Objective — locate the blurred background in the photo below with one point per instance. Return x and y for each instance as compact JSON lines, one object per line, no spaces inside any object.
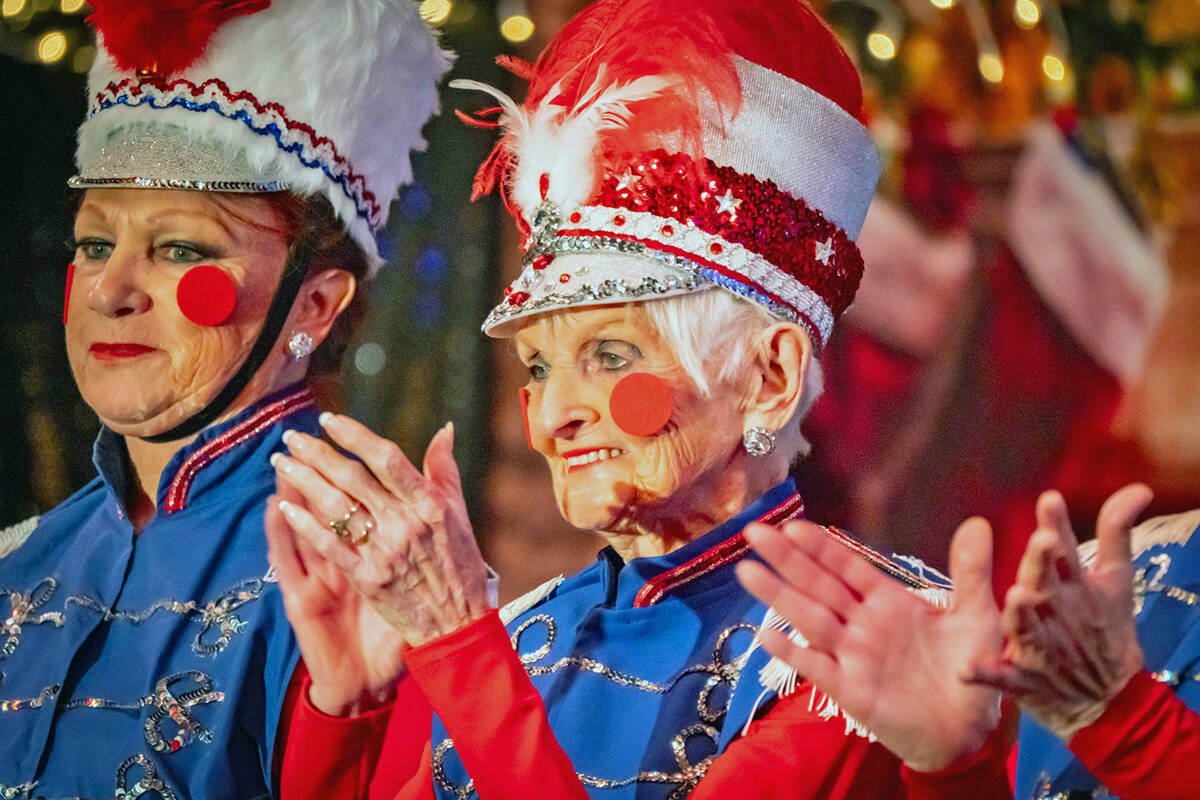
{"x":1030,"y":315}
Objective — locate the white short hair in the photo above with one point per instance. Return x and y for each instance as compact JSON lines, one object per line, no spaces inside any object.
{"x":713,"y":334}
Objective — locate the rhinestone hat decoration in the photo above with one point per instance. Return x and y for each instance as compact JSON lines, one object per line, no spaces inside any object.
{"x":257,"y":96}
{"x":621,"y":200}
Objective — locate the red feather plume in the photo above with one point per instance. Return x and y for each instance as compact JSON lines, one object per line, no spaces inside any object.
{"x":163,"y":36}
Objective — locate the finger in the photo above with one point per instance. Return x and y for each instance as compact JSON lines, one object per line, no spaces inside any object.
{"x":816,"y":622}
{"x":440,"y":468}
{"x":831,"y":549}
{"x":797,"y":568}
{"x":971,"y":566}
{"x":349,"y":477}
{"x":321,"y":498}
{"x":383,"y":458}
{"x":320,"y":538}
{"x":281,"y":547}
{"x":1036,"y":571}
{"x":1115,"y":523}
{"x":818,"y":667}
{"x":1052,"y":515}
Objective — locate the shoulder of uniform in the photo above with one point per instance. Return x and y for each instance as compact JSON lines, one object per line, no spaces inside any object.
{"x":911,"y":571}
{"x":519,"y":606}
{"x":1170,"y":529}
{"x":14,"y":536}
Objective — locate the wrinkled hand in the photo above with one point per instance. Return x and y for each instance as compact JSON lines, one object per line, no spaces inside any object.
{"x":888,"y":657}
{"x":1071,"y":641}
{"x":353,"y":656}
{"x":418,"y":563}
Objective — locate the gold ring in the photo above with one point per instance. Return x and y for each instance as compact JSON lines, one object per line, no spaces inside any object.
{"x":362,"y":536}
{"x":340,"y":525}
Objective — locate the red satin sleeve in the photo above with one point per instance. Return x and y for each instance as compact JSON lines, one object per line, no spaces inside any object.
{"x":493,"y":713}
{"x":792,"y":752}
{"x":1145,"y":745}
{"x":983,"y":776}
{"x":369,"y":756}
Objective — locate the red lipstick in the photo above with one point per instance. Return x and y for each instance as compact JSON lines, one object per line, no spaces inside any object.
{"x":114,"y":351}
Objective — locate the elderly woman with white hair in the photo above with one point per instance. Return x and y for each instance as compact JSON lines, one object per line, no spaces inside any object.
{"x":690,"y":213}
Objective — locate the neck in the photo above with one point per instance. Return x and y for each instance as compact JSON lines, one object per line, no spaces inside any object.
{"x":663,"y":526}
{"x":149,"y":459}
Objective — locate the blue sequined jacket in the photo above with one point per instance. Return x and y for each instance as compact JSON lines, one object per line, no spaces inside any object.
{"x":153,"y":664}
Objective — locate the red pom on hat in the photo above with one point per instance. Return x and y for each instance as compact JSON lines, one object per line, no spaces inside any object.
{"x":163,"y":36}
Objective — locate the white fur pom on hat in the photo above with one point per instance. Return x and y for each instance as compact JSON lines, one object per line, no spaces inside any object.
{"x":308,"y":96}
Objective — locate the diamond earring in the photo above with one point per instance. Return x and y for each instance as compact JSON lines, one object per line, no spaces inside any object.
{"x":300,"y":344}
{"x":758,"y":441}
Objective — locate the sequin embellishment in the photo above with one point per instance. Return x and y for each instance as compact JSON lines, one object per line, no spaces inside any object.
{"x":215,"y":616}
{"x":148,"y":784}
{"x":1146,"y":583}
{"x":22,"y":611}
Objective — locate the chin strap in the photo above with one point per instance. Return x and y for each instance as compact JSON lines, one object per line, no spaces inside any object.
{"x":294,"y":272}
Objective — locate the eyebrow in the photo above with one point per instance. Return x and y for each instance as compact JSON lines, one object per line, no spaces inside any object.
{"x":157,"y":217}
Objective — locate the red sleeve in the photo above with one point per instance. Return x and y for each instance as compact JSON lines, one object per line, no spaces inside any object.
{"x":984,"y":776}
{"x":493,"y":713}
{"x":1146,"y":744}
{"x":793,"y":752}
{"x":339,"y":758}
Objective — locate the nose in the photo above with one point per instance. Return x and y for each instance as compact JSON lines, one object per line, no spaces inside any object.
{"x":116,"y":291}
{"x":562,"y":408}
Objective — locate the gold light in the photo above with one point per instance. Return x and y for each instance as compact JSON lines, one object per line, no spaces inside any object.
{"x":82,"y":60}
{"x":942,"y":3}
{"x":10,"y":8}
{"x":517,"y":28}
{"x":435,"y":11}
{"x":1026,"y":13}
{"x":1054,"y":68}
{"x":72,"y":6}
{"x":991,"y":67}
{"x":51,"y":47}
{"x":881,"y":46}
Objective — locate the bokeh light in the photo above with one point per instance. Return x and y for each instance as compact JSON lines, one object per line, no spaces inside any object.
{"x":991,"y":67}
{"x":881,"y":46}
{"x":517,"y":28}
{"x":72,"y":6}
{"x":10,"y":8}
{"x":435,"y":11}
{"x":1026,"y":13}
{"x":51,"y":47}
{"x":1054,"y":68}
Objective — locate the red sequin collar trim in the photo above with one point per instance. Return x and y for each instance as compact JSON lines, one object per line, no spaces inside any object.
{"x":265,"y":417}
{"x":728,"y":551}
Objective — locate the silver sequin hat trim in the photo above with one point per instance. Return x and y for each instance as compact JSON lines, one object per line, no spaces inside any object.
{"x":161,"y":156}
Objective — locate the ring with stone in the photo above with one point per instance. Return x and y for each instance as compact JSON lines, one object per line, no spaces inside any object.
{"x":341,"y":525}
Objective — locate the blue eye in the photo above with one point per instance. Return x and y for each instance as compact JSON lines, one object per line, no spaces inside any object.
{"x":539,"y":371}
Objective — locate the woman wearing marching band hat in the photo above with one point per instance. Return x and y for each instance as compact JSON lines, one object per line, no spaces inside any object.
{"x":690,"y":176}
{"x":232,"y":180}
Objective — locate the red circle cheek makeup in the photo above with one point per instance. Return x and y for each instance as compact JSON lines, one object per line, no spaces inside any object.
{"x":641,"y":404}
{"x":206,"y":295}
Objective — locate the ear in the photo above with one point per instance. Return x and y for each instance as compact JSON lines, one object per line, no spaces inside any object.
{"x":781,"y":362}
{"x":321,"y":298}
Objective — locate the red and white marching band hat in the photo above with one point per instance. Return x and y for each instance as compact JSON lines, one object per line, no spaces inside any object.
{"x":672,"y":146}
{"x":310,"y":96}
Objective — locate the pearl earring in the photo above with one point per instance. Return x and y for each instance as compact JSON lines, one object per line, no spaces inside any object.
{"x":300,"y":344}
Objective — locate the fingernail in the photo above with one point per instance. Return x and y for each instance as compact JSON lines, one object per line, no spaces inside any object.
{"x":325,"y":418}
{"x":279,"y":463}
{"x":287,"y":508}
{"x":289,"y":437}
{"x":274,"y":459}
